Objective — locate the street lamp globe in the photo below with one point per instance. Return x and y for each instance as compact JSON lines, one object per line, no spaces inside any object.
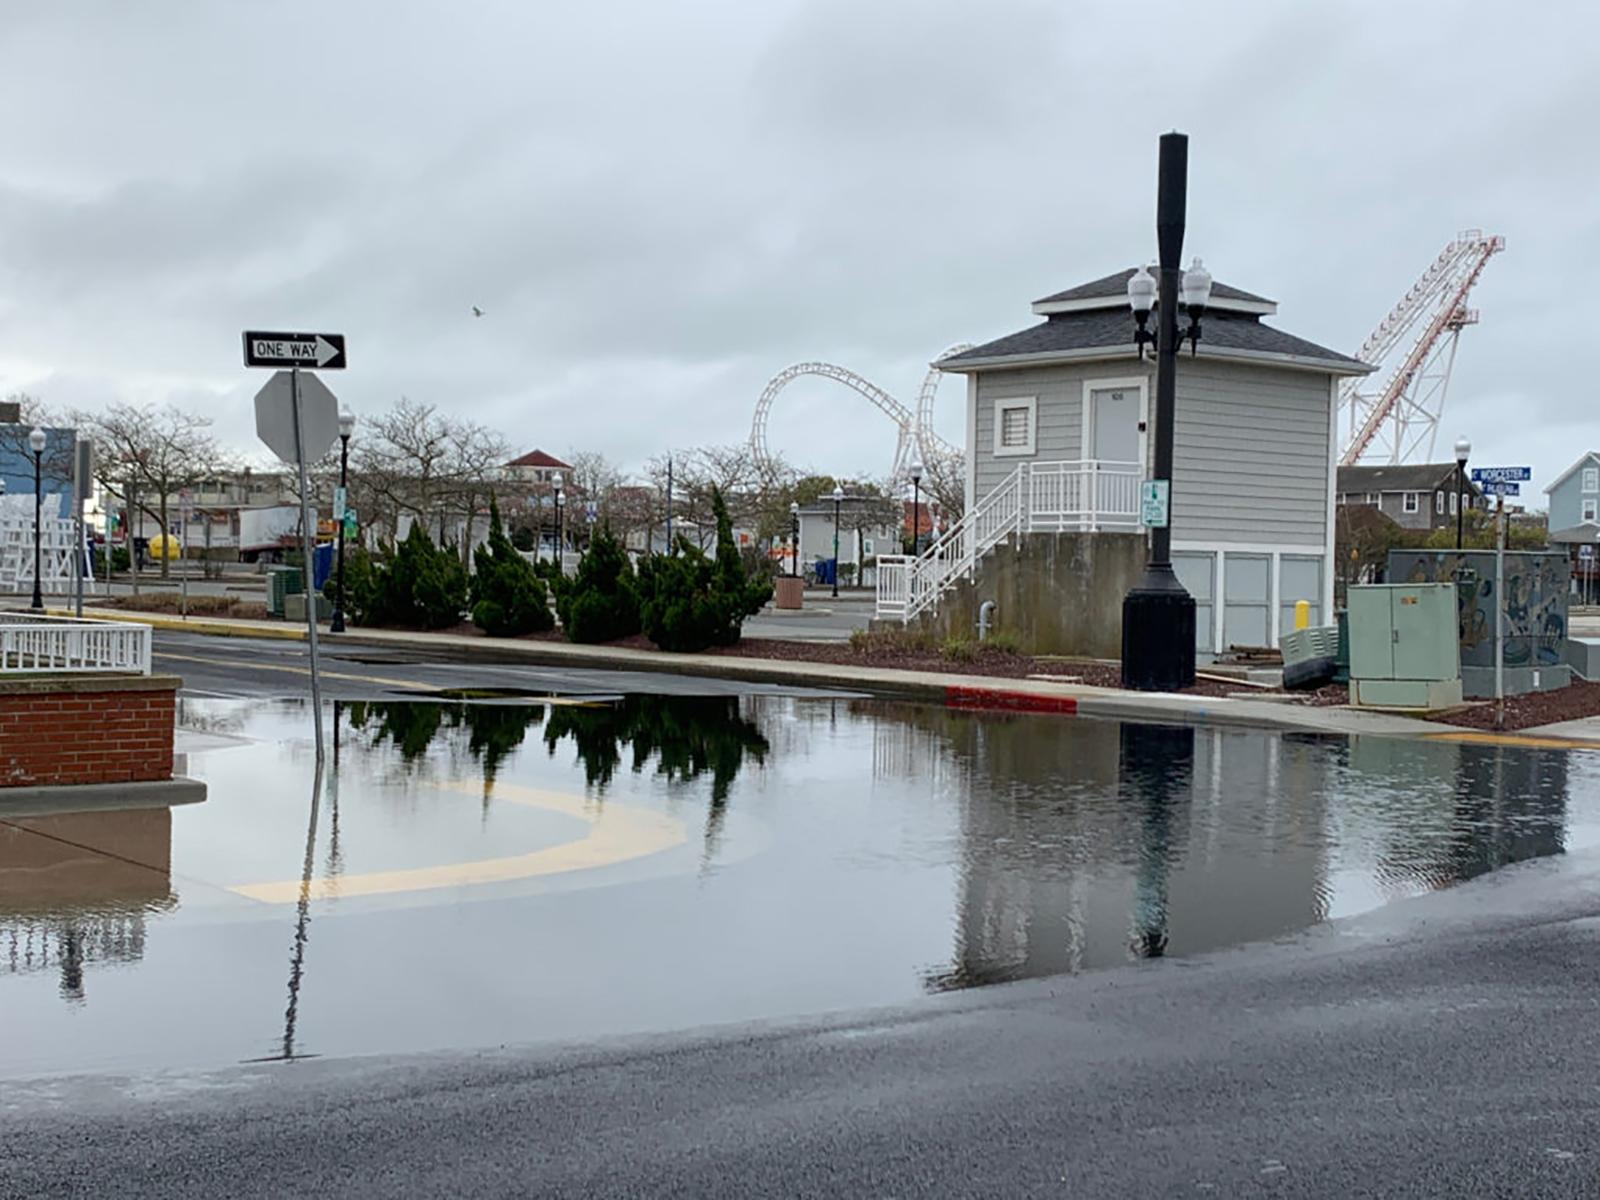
{"x":915,"y":470}
{"x":36,"y":440}
{"x":347,"y":424}
{"x":555,"y":482}
{"x":1195,"y":291}
{"x":838,"y":493}
{"x":1463,"y":449}
{"x":1142,"y":292}
{"x":794,"y":508}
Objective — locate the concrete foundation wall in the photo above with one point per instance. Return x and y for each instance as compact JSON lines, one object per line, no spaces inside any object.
{"x":1056,"y":593}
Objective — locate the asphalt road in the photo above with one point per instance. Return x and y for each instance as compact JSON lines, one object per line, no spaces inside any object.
{"x":224,"y":666}
{"x":1444,"y":1046}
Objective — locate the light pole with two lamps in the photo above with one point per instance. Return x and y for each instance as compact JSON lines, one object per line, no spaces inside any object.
{"x":36,"y":440}
{"x":838,"y":498}
{"x":1158,"y":614}
{"x":794,"y":537}
{"x":1463,"y":450}
{"x":347,"y":426}
{"x":555,"y":482}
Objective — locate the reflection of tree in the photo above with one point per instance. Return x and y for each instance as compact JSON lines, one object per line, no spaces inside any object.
{"x":493,"y":730}
{"x":688,"y":736}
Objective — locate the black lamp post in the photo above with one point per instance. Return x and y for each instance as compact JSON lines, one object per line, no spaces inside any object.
{"x":36,"y":441}
{"x":838,"y":498}
{"x":916,"y":505}
{"x":1463,"y":450}
{"x":555,"y":482}
{"x":794,"y":537}
{"x":347,"y":426}
{"x":1158,"y":614}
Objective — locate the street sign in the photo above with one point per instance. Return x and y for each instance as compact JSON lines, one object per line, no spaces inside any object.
{"x":1585,"y":551}
{"x":1502,"y":475}
{"x":339,"y":499}
{"x":349,"y":522}
{"x":275,"y":416}
{"x":1500,"y":488}
{"x":322,"y":351}
{"x":1153,"y":503}
{"x":590,"y":512}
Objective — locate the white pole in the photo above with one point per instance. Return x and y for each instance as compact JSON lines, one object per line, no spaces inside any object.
{"x":308,"y":542}
{"x":1500,"y":615}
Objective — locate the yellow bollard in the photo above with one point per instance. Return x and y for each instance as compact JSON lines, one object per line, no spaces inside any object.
{"x":1302,"y":614}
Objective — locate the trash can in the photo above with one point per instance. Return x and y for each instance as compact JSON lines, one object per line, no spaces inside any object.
{"x":789,"y":591}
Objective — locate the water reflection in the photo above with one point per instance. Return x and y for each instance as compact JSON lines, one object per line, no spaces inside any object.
{"x":76,"y":889}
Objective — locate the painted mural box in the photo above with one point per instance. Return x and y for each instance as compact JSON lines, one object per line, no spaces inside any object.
{"x":1537,"y":585}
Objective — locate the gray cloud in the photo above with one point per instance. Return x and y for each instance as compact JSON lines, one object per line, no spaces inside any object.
{"x":659,"y":206}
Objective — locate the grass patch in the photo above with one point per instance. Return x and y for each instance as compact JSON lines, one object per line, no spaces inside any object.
{"x":893,"y":641}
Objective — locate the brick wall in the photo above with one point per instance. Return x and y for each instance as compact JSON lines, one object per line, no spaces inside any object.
{"x":86,"y":730}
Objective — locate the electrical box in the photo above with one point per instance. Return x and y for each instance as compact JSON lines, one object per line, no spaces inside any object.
{"x":1405,"y":645}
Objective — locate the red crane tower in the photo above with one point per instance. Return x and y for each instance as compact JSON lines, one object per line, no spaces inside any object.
{"x":1399,"y":422}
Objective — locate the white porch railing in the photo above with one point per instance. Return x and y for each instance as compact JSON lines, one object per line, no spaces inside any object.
{"x":59,"y":645}
{"x":1087,"y":496}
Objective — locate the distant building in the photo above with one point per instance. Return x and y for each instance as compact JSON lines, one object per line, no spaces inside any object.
{"x":1422,"y":496}
{"x":1575,"y":519}
{"x":537,"y":467}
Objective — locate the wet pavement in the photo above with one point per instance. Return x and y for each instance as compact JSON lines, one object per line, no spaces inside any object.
{"x":472,"y":874}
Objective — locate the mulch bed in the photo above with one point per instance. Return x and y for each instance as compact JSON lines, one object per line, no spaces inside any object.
{"x":1577,"y":700}
{"x":172,"y":603}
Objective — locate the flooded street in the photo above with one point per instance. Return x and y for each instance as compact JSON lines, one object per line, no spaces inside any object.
{"x":473,"y":874}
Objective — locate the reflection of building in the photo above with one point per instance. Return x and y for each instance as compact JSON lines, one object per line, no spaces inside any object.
{"x":1086,"y":847}
{"x":75,"y":889}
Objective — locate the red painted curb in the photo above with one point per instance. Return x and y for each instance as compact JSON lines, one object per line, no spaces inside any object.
{"x":994,"y":698}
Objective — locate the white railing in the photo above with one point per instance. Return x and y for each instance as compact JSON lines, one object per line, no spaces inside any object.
{"x":62,"y":645}
{"x":1087,"y":496}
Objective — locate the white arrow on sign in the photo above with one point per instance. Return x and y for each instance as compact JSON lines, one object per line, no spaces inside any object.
{"x":319,"y":416}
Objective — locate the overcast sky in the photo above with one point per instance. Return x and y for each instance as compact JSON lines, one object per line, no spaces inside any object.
{"x":658,"y":206}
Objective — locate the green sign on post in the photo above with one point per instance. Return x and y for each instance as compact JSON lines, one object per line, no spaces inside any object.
{"x":349,"y":522}
{"x":1153,"y":503}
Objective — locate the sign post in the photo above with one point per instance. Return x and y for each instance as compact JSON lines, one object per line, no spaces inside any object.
{"x":183,"y":553}
{"x":82,"y":489}
{"x":299,"y":430}
{"x":1500,"y":482}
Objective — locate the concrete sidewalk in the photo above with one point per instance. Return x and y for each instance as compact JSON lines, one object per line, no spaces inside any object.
{"x":973,"y":691}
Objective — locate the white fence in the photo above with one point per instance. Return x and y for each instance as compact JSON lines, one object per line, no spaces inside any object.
{"x":61,"y":645}
{"x":1086,"y":496}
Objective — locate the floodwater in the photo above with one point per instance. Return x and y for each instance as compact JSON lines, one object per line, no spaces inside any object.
{"x":466,"y":875}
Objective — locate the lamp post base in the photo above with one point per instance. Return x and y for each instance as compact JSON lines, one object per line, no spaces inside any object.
{"x":1158,"y":633}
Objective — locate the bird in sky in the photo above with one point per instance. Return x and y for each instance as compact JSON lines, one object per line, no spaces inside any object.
{"x":476,"y":311}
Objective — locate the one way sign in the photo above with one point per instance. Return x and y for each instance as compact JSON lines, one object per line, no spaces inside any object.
{"x":323,"y":351}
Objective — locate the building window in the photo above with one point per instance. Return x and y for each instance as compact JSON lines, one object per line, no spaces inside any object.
{"x":1438,"y":503}
{"x":1452,"y":504}
{"x":1015,"y":426}
{"x":1589,"y":505}
{"x":1409,"y":504}
{"x":1372,"y":499}
{"x":1591,"y":479}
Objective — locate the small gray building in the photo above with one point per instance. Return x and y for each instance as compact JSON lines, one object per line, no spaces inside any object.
{"x":1058,"y":443}
{"x":1414,"y":496}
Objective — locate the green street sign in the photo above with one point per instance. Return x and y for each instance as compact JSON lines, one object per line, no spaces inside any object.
{"x":1153,"y":503}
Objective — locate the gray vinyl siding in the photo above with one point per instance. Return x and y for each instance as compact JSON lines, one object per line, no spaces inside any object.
{"x":1251,"y":458}
{"x":1059,"y":436}
{"x":1566,"y":499}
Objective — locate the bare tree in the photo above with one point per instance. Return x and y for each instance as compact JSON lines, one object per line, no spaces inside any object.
{"x":402,"y":464}
{"x":150,"y":454}
{"x":696,"y":473}
{"x":475,"y":465}
{"x":56,"y":465}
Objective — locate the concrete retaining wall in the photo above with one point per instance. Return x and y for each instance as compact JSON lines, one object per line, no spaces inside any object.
{"x":1056,"y":593}
{"x":74,"y":729}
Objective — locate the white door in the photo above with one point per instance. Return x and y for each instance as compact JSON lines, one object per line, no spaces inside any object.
{"x":1114,"y":418}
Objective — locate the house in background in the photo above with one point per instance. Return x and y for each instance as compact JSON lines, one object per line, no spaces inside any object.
{"x":1422,"y":496}
{"x":1058,"y":444}
{"x":537,"y":467}
{"x":1575,"y":519}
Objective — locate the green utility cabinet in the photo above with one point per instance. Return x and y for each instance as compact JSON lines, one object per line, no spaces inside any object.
{"x":1405,"y":647}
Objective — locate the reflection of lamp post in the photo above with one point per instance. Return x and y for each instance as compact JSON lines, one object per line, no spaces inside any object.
{"x":1158,"y":614}
{"x":555,"y":482}
{"x":36,"y":443}
{"x":838,"y":497}
{"x":916,"y":506}
{"x":1463,"y":450}
{"x":347,"y":426}
{"x":794,"y":537}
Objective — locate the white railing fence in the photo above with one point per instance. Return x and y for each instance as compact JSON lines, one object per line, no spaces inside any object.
{"x":1086,"y":496}
{"x":61,"y":645}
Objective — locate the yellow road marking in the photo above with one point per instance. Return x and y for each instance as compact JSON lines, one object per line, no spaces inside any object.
{"x":255,"y":666}
{"x":1529,"y":740}
{"x":617,"y":833}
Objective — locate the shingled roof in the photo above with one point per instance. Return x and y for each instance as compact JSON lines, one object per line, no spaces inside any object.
{"x":1115,"y":287}
{"x":1397,"y":477}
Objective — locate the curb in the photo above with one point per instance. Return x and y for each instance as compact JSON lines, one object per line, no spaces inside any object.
{"x":207,"y":625}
